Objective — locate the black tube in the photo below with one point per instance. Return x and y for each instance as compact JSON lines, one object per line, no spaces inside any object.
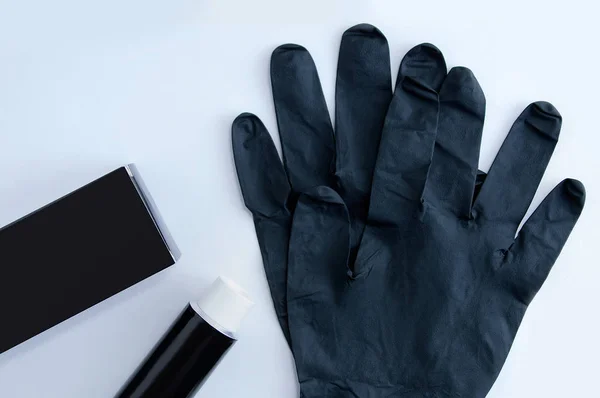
{"x":179,"y":363}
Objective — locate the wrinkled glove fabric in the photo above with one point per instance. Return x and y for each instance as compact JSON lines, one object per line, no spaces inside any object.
{"x":312,"y":154}
{"x":395,"y":271}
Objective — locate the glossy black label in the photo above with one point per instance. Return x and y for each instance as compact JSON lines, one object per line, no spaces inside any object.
{"x":180,"y":361}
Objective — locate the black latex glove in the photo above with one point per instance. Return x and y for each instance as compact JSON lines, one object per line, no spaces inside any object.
{"x":440,"y":284}
{"x":312,"y":154}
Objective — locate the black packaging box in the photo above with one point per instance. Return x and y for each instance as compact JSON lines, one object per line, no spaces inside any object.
{"x":78,"y":251}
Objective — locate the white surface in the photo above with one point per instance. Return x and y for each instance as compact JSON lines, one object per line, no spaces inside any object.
{"x":226,"y":304}
{"x":86,"y":87}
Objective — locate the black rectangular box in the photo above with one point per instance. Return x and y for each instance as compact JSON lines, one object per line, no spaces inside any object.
{"x":78,"y":251}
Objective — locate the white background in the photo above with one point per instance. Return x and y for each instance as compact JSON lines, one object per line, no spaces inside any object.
{"x":86,"y":87}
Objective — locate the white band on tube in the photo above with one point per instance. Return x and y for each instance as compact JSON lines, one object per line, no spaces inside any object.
{"x":226,"y":304}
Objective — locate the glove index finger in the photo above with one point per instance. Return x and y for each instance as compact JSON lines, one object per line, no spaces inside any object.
{"x":408,"y":136}
{"x":263,"y":181}
{"x":452,"y":177}
{"x":305,"y":127}
{"x":363,"y":95}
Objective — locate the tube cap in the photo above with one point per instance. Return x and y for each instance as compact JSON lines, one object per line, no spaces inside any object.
{"x":226,"y":304}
